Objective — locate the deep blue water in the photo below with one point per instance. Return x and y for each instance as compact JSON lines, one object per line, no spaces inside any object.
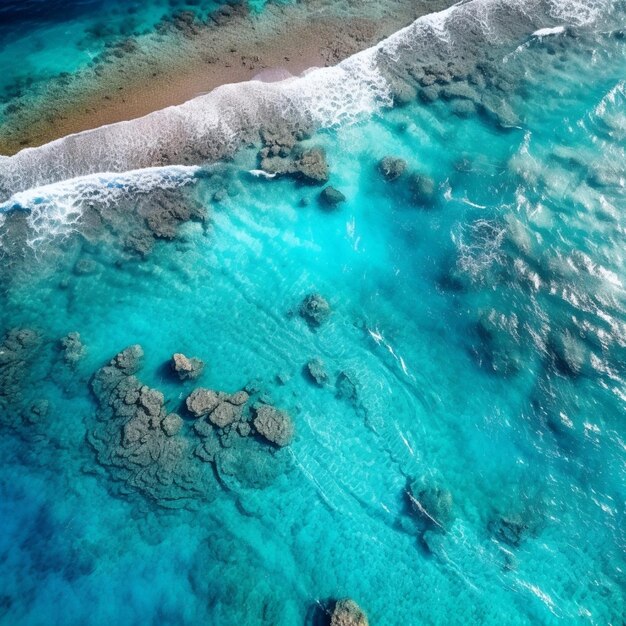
{"x":475,"y":355}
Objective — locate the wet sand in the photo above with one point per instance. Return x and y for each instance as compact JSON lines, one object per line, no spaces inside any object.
{"x":188,"y":59}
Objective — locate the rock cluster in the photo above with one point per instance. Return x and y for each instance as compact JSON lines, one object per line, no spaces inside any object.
{"x":153,"y":450}
{"x":186,"y":368}
{"x":308,"y":166}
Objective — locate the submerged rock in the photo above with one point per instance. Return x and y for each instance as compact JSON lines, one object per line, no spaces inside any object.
{"x":186,"y":368}
{"x":348,"y":613}
{"x":568,"y":353}
{"x":423,"y":191}
{"x":500,"y":348}
{"x":431,"y":503}
{"x":346,"y":387}
{"x":509,"y":530}
{"x":274,"y":425}
{"x":315,"y":309}
{"x":316,"y":371}
{"x":72,"y":347}
{"x":138,"y":441}
{"x":391,"y":168}
{"x":331,"y":197}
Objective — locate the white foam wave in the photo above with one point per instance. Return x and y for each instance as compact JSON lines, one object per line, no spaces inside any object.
{"x":546,"y":32}
{"x":55,"y":209}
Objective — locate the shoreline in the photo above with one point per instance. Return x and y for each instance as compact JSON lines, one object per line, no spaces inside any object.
{"x":244,"y":47}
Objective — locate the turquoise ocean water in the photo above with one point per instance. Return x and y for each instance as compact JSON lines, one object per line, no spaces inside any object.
{"x":475,"y":353}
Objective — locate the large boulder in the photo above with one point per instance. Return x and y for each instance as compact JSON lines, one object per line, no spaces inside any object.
{"x":311,"y":166}
{"x":315,"y":309}
{"x":274,"y":425}
{"x":348,"y":613}
{"x":186,"y":368}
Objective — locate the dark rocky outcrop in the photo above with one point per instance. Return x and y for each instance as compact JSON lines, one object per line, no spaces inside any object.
{"x":330,"y":197}
{"x":315,"y":309}
{"x":315,"y":369}
{"x":274,"y":425}
{"x":348,"y":613}
{"x":391,"y":168}
{"x":186,"y":368}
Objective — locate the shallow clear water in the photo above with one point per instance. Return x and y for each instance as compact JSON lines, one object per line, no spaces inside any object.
{"x":484,"y":331}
